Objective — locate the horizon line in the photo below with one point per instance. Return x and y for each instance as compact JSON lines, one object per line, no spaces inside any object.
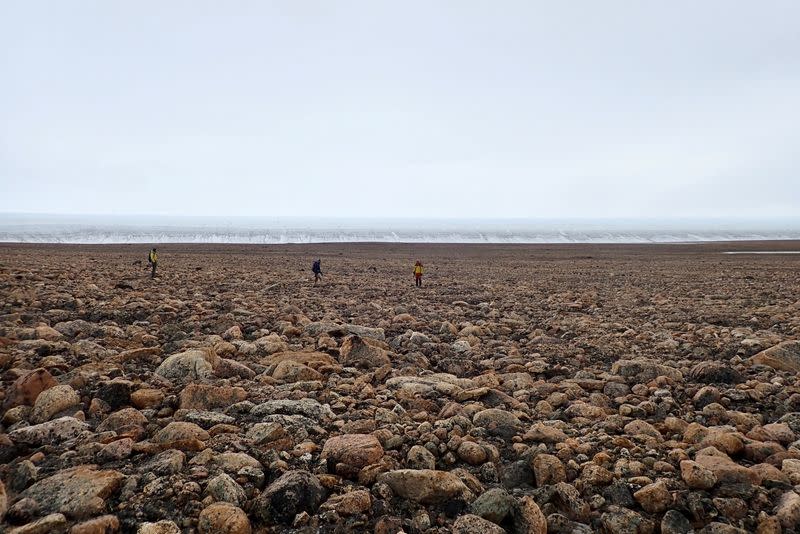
{"x":426,"y":217}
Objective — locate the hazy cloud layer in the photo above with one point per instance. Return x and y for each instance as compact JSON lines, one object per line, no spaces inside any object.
{"x":452,"y":109}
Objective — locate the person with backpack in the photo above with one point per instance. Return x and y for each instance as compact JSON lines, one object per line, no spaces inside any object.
{"x":153,"y":259}
{"x":418,"y":273}
{"x":317,"y":270}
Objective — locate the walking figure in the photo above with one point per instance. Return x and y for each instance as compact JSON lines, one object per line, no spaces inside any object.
{"x":418,"y":273}
{"x":317,"y":270}
{"x":153,"y":259}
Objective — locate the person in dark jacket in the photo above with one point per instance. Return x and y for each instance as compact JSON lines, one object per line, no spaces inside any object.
{"x":317,"y":270}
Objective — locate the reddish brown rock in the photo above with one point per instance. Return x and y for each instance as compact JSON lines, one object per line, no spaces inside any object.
{"x":26,"y":389}
{"x":352,"y":450}
{"x":223,"y":518}
{"x":106,"y":524}
{"x":207,"y":397}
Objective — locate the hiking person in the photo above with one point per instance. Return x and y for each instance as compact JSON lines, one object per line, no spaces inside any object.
{"x":418,"y":273}
{"x":153,"y":259}
{"x":317,"y":270}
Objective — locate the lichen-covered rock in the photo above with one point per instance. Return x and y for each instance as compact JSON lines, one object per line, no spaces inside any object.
{"x":783,"y":356}
{"x":54,"y":431}
{"x":53,"y":401}
{"x":473,"y":524}
{"x":363,"y":352}
{"x":77,"y":492}
{"x":425,"y":486}
{"x":195,"y":364}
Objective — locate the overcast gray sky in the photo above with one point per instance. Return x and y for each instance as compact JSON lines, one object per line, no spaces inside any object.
{"x":372,"y":108}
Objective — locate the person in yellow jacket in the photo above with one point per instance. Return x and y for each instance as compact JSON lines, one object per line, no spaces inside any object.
{"x":418,"y":273}
{"x":153,"y":259}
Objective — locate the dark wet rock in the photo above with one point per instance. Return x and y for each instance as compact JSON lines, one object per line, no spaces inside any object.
{"x":620,"y":494}
{"x":294,"y":492}
{"x":517,"y":474}
{"x":715,"y":373}
{"x":675,"y":522}
{"x":639,"y":371}
{"x":116,"y":393}
{"x":498,"y":422}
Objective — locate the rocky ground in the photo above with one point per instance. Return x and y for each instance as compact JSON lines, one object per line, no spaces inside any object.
{"x":528,"y":389}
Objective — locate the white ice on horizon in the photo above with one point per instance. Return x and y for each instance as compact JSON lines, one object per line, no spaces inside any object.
{"x":30,"y":228}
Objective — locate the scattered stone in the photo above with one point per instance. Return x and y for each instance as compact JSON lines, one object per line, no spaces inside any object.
{"x":223,"y":518}
{"x":696,"y":476}
{"x":472,"y":524}
{"x":27,"y":388}
{"x":528,"y":517}
{"x":654,"y":498}
{"x":788,"y":511}
{"x":195,"y":364}
{"x":54,"y":431}
{"x":783,"y":357}
{"x":222,"y":488}
{"x":161,"y":527}
{"x":352,"y":451}
{"x":106,"y":524}
{"x":548,"y":469}
{"x":207,"y":397}
{"x":632,"y":402}
{"x":498,"y":422}
{"x":294,"y":492}
{"x":364,"y":352}
{"x":494,"y":504}
{"x":351,"y":503}
{"x":49,"y":524}
{"x":425,"y":486}
{"x":77,"y":492}
{"x":420,"y":458}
